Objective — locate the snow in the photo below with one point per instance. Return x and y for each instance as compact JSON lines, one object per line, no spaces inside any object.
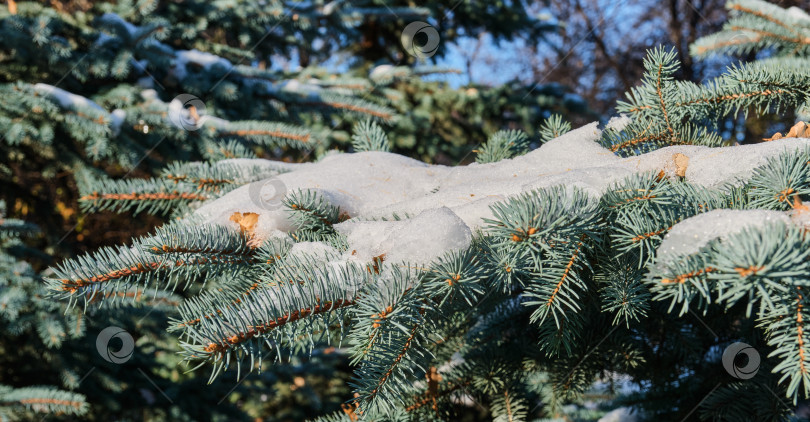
{"x":149,"y":94}
{"x":102,"y":39}
{"x":208,"y":62}
{"x":717,"y":167}
{"x":799,"y":15}
{"x":445,"y":205}
{"x":116,"y":120}
{"x":205,"y":60}
{"x":181,"y":116}
{"x":714,"y":167}
{"x":330,"y":8}
{"x":381,"y":71}
{"x":420,"y":239}
{"x":317,"y":251}
{"x":618,"y":123}
{"x":247,"y":163}
{"x":295,"y":86}
{"x":800,"y":215}
{"x":326,"y":260}
{"x":66,"y":99}
{"x":621,"y":414}
{"x":113,"y":19}
{"x":385,"y":73}
{"x":688,"y":236}
{"x":182,"y":58}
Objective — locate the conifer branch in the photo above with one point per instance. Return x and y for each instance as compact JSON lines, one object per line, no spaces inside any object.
{"x":170,"y":255}
{"x":44,"y":400}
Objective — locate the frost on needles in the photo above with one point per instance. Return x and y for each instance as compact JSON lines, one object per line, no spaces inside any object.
{"x":516,"y":279}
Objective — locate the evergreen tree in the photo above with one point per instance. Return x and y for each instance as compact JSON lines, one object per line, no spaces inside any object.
{"x":644,"y":249}
{"x":123,"y":88}
{"x":105,"y":89}
{"x":30,"y":323}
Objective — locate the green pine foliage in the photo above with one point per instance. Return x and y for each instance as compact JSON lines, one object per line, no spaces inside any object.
{"x":531,"y":298}
{"x":554,"y":127}
{"x":444,"y":125}
{"x":24,"y":312}
{"x":668,"y":112}
{"x":558,"y":290}
{"x":180,"y":185}
{"x":503,"y":144}
{"x":368,"y":136}
{"x":43,"y":400}
{"x":754,"y":26}
{"x":121,"y":88}
{"x":775,"y":36}
{"x":147,"y":108}
{"x":552,"y":272}
{"x":51,"y":367}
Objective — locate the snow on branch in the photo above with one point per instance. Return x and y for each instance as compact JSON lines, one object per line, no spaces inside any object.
{"x":375,"y":185}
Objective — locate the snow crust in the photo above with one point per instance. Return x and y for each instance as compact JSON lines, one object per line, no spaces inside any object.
{"x":420,"y":239}
{"x":688,"y":236}
{"x":205,"y":60}
{"x":117,"y":118}
{"x":381,"y":71}
{"x":66,"y":99}
{"x":445,"y":205}
{"x":184,"y":63}
{"x":113,"y":19}
{"x":798,"y":14}
{"x":621,"y":414}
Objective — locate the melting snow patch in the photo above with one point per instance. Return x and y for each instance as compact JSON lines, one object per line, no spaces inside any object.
{"x":688,"y":236}
{"x":66,"y":99}
{"x":446,"y":204}
{"x":199,"y":58}
{"x":418,"y":240}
